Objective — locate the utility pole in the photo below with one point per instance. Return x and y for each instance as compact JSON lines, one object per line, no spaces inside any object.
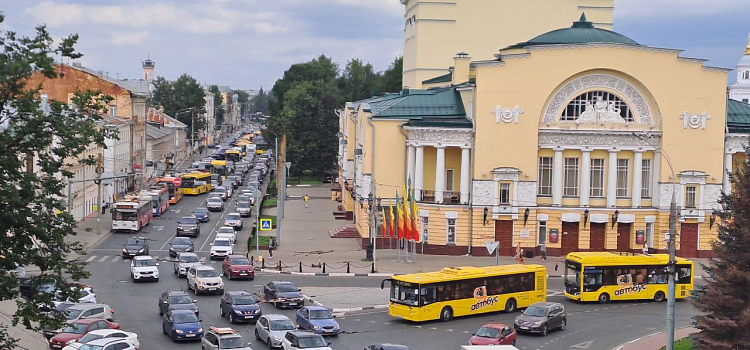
{"x":671,"y":267}
{"x":192,"y":130}
{"x":98,"y":182}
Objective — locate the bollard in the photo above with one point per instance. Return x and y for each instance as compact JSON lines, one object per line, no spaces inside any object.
{"x":300,"y":266}
{"x":372,"y":270}
{"x":279,"y":265}
{"x":324,"y":267}
{"x":263,"y":264}
{"x":347,"y":267}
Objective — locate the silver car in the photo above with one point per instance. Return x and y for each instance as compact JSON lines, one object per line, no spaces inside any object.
{"x":233,"y":220}
{"x":221,"y":190}
{"x":88,"y":310}
{"x":184,"y":262}
{"x":215,"y":204}
{"x":272,"y":328}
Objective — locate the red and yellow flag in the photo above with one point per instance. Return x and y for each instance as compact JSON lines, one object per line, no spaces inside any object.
{"x":400,"y":213}
{"x":407,"y":220}
{"x":383,"y":228}
{"x":392,"y":225}
{"x":415,"y":227}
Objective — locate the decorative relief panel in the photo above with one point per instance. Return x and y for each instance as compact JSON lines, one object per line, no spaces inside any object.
{"x":628,"y":92}
{"x":482,"y":192}
{"x":505,"y":174}
{"x":711,"y":196}
{"x":665,"y":194}
{"x":507,"y":115}
{"x":735,"y":143}
{"x":440,"y":136}
{"x":526,"y":193}
{"x":694,"y":121}
{"x":560,"y":138}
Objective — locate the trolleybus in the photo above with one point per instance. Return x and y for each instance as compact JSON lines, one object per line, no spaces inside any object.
{"x":159,"y":196}
{"x":131,"y":214}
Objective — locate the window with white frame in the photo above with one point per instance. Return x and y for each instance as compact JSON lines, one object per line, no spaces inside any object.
{"x":690,"y":192}
{"x":113,"y":111}
{"x":449,"y":173}
{"x":451,"y":232}
{"x":650,"y":234}
{"x":504,"y":193}
{"x":597,"y":178}
{"x":646,"y":178}
{"x":542,"y":232}
{"x":595,"y":100}
{"x":425,"y":225}
{"x":545,"y":176}
{"x":622,"y":177}
{"x":570,"y":187}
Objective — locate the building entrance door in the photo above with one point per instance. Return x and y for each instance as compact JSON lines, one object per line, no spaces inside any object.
{"x":504,"y":235}
{"x":623,"y":237}
{"x":569,"y":241}
{"x":598,"y":234}
{"x":688,"y":240}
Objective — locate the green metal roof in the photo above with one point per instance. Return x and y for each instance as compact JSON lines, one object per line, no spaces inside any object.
{"x":580,"y":32}
{"x":438,"y":107}
{"x":738,"y":116}
{"x":441,"y":123}
{"x":445,"y":78}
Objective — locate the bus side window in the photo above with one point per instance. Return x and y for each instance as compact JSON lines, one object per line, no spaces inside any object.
{"x":446,"y":291}
{"x":683,"y":274}
{"x":428,"y":295}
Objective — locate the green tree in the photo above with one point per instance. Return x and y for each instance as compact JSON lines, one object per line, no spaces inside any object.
{"x":35,"y":227}
{"x":358,"y":81}
{"x":178,"y":95}
{"x":320,"y":68}
{"x":260,"y":102}
{"x":725,"y":298}
{"x":391,"y":78}
{"x":218,"y":106}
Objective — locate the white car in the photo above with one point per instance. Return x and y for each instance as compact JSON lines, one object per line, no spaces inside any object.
{"x":184,"y":262}
{"x":109,"y":344}
{"x":304,"y":340}
{"x":220,"y":248}
{"x":144,"y":267}
{"x":233,"y":220}
{"x":215,"y":204}
{"x":227,"y":232}
{"x":204,"y":278}
{"x":272,"y":328}
{"x":104,"y":333}
{"x":85,"y":295}
{"x":221,"y":190}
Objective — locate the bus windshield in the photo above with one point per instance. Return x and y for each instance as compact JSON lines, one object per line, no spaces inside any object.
{"x":188,"y":183}
{"x":405,"y":293}
{"x":124,"y":215}
{"x":572,"y":276}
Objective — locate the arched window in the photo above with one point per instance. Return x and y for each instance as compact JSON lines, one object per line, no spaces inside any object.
{"x":597,"y":106}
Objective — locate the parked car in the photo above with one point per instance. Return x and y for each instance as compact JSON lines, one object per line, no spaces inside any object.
{"x":77,"y":329}
{"x":180,"y":245}
{"x":272,"y":328}
{"x":176,"y":300}
{"x":387,"y":347}
{"x":317,"y":319}
{"x":304,"y":340}
{"x":144,"y":267}
{"x":237,"y":266}
{"x":104,"y":334}
{"x":110,"y":344}
{"x":203,"y":278}
{"x":89,"y":310}
{"x":84,"y":293}
{"x":541,"y":317}
{"x":283,"y":294}
{"x":234,"y":220}
{"x":184,"y":262}
{"x":215,"y":204}
{"x":182,"y":325}
{"x":202,"y":214}
{"x":494,"y":334}
{"x":240,"y":306}
{"x":220,"y":248}
{"x":135,"y":246}
{"x":227,"y":232}
{"x":217,"y":338}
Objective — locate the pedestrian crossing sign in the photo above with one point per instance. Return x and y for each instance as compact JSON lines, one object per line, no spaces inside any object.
{"x":265,"y":224}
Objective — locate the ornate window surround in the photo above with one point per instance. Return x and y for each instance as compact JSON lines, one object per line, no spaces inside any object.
{"x":443,"y":137}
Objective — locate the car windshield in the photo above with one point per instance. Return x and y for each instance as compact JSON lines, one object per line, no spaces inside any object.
{"x":201,"y":211}
{"x":184,"y":318}
{"x":488,"y":332}
{"x":189,"y":258}
{"x":89,"y":337}
{"x":188,"y":221}
{"x":91,"y":347}
{"x":122,"y":215}
{"x":245,"y":300}
{"x":144,"y":262}
{"x":286,"y":288}
{"x":221,"y":190}
{"x":180,"y":299}
{"x":75,"y":328}
{"x":226,"y":230}
{"x":535,"y":311}
{"x":231,"y":343}
{"x":320,"y":315}
{"x":233,"y":217}
{"x":214,"y":200}
{"x":312,"y":342}
{"x":243,"y":205}
{"x":282,"y":325}
{"x":240,"y":261}
{"x":222,"y":243}
{"x":73,"y":314}
{"x":207,"y":273}
{"x":134,"y":242}
{"x":181,"y":241}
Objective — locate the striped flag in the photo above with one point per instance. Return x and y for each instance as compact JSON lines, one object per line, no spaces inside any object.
{"x":415,"y":227}
{"x":407,"y":220}
{"x":400,"y":217}
{"x":392,"y":225}
{"x":383,"y":226}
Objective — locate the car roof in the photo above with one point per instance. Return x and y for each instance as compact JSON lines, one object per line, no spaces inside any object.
{"x":88,"y":320}
{"x":276,"y":317}
{"x":545,"y":304}
{"x":188,"y":217}
{"x":239,"y":292}
{"x":495,"y":325}
{"x":200,"y":208}
{"x":143,"y":257}
{"x":83,"y":306}
{"x":316,"y":307}
{"x":304,"y":334}
{"x":235,"y":213}
{"x":188,"y":253}
{"x":174,"y":312}
{"x":176,"y":292}
{"x":236,"y":256}
{"x":282,"y":282}
{"x":203,"y":267}
{"x":227,"y":228}
{"x":105,"y":341}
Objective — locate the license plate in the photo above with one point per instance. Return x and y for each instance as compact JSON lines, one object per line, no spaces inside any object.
{"x":190,"y":335}
{"x":211,"y":288}
{"x":243,"y":273}
{"x":57,"y":346}
{"x":292,"y":304}
{"x":524,"y":327}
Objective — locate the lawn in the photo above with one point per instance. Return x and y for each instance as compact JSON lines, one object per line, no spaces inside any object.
{"x":270,"y":202}
{"x":682,"y":344}
{"x":272,"y":217}
{"x":263,"y":242}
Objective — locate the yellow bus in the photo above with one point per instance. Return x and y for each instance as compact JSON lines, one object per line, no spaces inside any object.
{"x":461,"y":291}
{"x":233,"y":155}
{"x":219,"y":167}
{"x":196,"y":183}
{"x":175,"y":194}
{"x":607,"y":276}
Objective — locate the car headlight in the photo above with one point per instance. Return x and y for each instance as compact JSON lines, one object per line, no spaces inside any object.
{"x":276,"y":339}
{"x":537,"y":323}
{"x":200,"y":330}
{"x":238,"y":312}
{"x":141,"y":250}
{"x":257,"y":311}
{"x":196,"y":310}
{"x":124,"y":250}
{"x":179,"y":331}
{"x":235,"y":270}
{"x":317,"y":328}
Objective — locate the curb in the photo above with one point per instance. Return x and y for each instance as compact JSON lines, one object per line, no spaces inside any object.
{"x":341,"y":311}
{"x":332,"y":274}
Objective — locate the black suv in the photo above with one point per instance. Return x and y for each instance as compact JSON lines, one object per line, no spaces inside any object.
{"x":283,"y":294}
{"x":135,"y":246}
{"x":176,"y":300}
{"x":188,"y":226}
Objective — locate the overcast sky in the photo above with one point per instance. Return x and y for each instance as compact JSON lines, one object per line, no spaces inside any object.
{"x":249,"y":43}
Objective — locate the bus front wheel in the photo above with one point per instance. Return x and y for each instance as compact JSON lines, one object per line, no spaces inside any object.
{"x":604,"y":298}
{"x":446,"y":314}
{"x":659,"y":297}
{"x":510,"y":305}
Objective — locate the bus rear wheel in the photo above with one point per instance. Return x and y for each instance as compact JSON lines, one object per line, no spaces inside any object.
{"x":604,"y":298}
{"x":659,"y":297}
{"x":510,"y":305}
{"x":446,"y":314}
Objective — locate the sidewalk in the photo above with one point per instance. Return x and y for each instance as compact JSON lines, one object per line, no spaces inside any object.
{"x":656,"y":341}
{"x":27,"y":339}
{"x":305,"y":238}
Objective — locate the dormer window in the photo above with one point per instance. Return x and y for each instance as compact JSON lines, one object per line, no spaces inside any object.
{"x":746,"y":75}
{"x":597,"y":107}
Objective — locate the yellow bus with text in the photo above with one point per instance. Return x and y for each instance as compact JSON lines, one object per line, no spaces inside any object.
{"x":461,"y":291}
{"x":195,"y":183}
{"x":607,"y":276}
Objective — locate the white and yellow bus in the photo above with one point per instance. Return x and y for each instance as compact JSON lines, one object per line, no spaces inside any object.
{"x":461,"y":291}
{"x":606,"y":276}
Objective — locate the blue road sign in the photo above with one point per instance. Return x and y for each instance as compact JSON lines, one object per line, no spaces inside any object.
{"x":265,"y":224}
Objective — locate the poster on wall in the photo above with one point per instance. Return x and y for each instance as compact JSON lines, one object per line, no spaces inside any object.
{"x":640,"y":236}
{"x":525,"y":233}
{"x":554,"y":235}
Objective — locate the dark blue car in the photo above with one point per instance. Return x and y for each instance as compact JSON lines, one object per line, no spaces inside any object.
{"x":182,"y":325}
{"x":240,"y":306}
{"x":318,"y":320}
{"x":201,"y":214}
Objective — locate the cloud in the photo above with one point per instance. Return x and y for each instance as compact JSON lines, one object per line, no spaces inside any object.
{"x":633,"y":9}
{"x":129,"y":38}
{"x":388,"y":5}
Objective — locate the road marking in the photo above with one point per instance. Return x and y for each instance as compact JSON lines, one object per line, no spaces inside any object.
{"x":433,"y":328}
{"x":116,"y":258}
{"x":159,"y":228}
{"x":584,"y":345}
{"x":417,"y":326}
{"x":177,"y":211}
{"x":168,"y":240}
{"x":203,"y":259}
{"x":103,"y":258}
{"x":90,"y":259}
{"x":386,"y":323}
{"x":449,"y":330}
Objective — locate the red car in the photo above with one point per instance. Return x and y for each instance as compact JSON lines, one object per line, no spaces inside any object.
{"x":494,"y":334}
{"x":77,"y":329}
{"x":237,"y":266}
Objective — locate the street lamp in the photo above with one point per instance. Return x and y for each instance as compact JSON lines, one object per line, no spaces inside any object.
{"x":370,"y":243}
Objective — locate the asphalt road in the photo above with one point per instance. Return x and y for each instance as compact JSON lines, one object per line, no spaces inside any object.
{"x":590,"y":326}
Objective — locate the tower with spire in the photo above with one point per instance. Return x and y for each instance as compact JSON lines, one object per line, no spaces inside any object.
{"x":740,"y":90}
{"x":148,"y":69}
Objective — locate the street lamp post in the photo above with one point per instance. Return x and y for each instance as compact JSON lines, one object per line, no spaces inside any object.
{"x":370,"y":244}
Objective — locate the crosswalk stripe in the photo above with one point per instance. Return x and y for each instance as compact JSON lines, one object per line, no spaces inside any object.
{"x":116,"y":258}
{"x":103,"y":258}
{"x":203,"y":259}
{"x":156,"y":258}
{"x":91,"y":258}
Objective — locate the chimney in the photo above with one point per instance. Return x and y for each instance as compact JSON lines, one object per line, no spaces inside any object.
{"x":461,"y":67}
{"x":148,"y":69}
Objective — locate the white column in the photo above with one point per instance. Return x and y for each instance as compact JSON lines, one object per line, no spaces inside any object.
{"x":612,"y":180}
{"x":419,"y":172}
{"x":655,"y":187}
{"x":410,"y":156}
{"x":440,"y":174}
{"x":465,"y":176}
{"x":637,"y":178}
{"x":726,"y":185}
{"x":585,"y":177}
{"x":557,"y":177}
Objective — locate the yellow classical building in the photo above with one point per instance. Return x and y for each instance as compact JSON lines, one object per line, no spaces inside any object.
{"x":577,"y":139}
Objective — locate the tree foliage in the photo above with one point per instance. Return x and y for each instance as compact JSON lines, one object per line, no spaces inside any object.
{"x":391,"y":79}
{"x":178,"y":95}
{"x":34,"y":225}
{"x":218,"y":106}
{"x":725,"y":299}
{"x":260,"y":102}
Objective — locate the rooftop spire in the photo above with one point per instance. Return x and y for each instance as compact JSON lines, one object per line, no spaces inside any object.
{"x":583,"y":22}
{"x":747,"y":49}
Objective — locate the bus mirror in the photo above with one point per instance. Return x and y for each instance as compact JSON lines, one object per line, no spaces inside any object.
{"x":382,"y":283}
